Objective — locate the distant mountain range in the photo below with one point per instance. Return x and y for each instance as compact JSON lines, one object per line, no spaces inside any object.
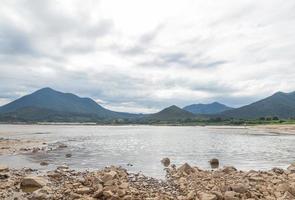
{"x":50,"y":105}
{"x":280,"y":104}
{"x":212,"y":108}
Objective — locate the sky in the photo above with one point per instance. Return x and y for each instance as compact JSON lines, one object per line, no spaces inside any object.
{"x":143,"y":55}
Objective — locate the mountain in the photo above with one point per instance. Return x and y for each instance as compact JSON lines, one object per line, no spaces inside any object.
{"x":280,"y":104}
{"x":171,"y":113}
{"x":211,"y":108}
{"x":48,"y":102}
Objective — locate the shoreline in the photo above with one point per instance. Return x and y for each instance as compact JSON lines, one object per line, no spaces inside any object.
{"x":182,"y":183}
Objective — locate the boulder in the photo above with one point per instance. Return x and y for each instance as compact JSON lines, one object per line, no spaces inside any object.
{"x":186,"y":168}
{"x":33,"y":181}
{"x":231,"y":195}
{"x":214,"y":163}
{"x":207,"y":196}
{"x":239,"y":188}
{"x":165,"y":162}
{"x":3,"y":168}
{"x":109,"y":176}
{"x":43,"y":163}
{"x":291,"y":168}
{"x":229,"y":169}
{"x":83,"y":190}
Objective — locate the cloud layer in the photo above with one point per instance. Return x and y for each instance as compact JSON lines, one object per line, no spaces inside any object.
{"x":140,"y":56}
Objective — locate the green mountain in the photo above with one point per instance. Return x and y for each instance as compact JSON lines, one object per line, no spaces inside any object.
{"x":212,"y":108}
{"x":171,"y":113}
{"x":50,"y":104}
{"x":280,"y":104}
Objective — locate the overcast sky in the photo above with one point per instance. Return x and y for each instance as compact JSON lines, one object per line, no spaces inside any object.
{"x":144,"y":55}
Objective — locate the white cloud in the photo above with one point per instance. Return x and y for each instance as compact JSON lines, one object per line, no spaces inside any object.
{"x":140,"y":56}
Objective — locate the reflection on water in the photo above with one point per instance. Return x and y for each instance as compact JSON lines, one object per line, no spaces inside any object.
{"x":140,"y":148}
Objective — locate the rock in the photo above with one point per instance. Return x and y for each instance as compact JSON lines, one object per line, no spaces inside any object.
{"x":239,"y":188}
{"x":186,"y":168}
{"x":214,"y":163}
{"x":61,"y":146}
{"x":43,"y":163}
{"x":83,"y":190}
{"x":63,"y":167}
{"x":207,"y":196}
{"x":3,"y":176}
{"x":278,"y":170}
{"x":98,"y":193}
{"x":230,"y":195}
{"x":68,"y":155}
{"x":291,"y":168}
{"x":4,"y":168}
{"x":33,"y":181}
{"x":109,"y":176}
{"x":287,"y":196}
{"x":229,"y":169}
{"x":165,"y":162}
{"x":191,"y":195}
{"x":124,"y":185}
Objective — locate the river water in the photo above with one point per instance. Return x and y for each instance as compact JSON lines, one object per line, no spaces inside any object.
{"x":94,"y":147}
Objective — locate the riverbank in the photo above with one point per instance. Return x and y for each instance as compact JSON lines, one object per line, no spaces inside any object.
{"x":182,"y":183}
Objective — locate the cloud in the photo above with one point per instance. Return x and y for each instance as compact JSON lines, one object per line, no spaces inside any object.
{"x":143,"y":56}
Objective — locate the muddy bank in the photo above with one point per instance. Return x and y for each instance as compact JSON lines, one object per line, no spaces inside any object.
{"x":183,"y":183}
{"x":277,"y":129}
{"x":14,"y":146}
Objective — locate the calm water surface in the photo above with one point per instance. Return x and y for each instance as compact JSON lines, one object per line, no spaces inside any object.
{"x":93,"y":147}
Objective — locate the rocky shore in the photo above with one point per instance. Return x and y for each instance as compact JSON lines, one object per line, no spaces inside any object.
{"x":115,"y":183}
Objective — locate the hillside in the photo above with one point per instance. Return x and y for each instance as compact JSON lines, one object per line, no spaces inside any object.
{"x":212,"y":108}
{"x":171,"y":113}
{"x":48,"y":102}
{"x":280,"y":104}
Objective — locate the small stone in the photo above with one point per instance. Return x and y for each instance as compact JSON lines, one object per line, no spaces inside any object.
{"x":68,"y":155}
{"x":63,"y":167}
{"x":61,"y":146}
{"x":43,"y":163}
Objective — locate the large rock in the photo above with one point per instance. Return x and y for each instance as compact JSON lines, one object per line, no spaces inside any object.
{"x":3,"y":168}
{"x":231,"y":195}
{"x":165,"y":162}
{"x":214,"y":163}
{"x":207,"y":196}
{"x":229,"y":169}
{"x":33,"y":181}
{"x":186,"y":168}
{"x":239,"y":188}
{"x":109,"y":176}
{"x":291,"y":168}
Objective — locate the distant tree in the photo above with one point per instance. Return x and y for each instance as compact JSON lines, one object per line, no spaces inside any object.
{"x":262,"y":118}
{"x":275,"y":118}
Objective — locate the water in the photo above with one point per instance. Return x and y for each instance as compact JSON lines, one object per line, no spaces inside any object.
{"x":94,"y":147}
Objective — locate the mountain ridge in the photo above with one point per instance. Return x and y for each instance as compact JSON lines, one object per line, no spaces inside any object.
{"x":211,"y":108}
